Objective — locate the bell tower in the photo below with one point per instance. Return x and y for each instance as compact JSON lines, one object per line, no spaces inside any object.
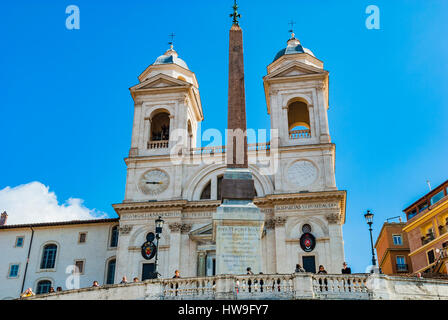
{"x":167,"y":112}
{"x":296,"y":90}
{"x":167,"y":98}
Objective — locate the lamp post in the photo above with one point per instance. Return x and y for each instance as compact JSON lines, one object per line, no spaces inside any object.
{"x":159,"y":227}
{"x":369,"y":219}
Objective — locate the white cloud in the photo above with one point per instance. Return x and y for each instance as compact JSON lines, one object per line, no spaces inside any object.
{"x":33,"y":203}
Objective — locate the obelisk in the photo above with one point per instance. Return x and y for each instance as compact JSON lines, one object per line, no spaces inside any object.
{"x":237,"y":222}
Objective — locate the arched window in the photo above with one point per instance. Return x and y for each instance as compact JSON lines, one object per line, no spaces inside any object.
{"x":298,"y":120}
{"x":110,"y":276}
{"x":49,"y":256}
{"x":43,"y":286}
{"x":206,"y":192}
{"x":114,"y":237}
{"x":219,"y":187}
{"x":160,"y":127}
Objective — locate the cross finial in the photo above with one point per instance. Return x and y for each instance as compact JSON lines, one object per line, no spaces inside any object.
{"x":235,"y":15}
{"x":292,"y":23}
{"x":171,"y":43}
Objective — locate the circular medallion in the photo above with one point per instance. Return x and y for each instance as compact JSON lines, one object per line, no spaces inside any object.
{"x":150,"y":237}
{"x":149,"y":250}
{"x":306,"y":228}
{"x":154,"y":182}
{"x":307,"y":242}
{"x":302,"y":173}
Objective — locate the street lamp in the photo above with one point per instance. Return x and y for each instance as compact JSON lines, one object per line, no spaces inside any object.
{"x":369,"y":219}
{"x":159,"y":226}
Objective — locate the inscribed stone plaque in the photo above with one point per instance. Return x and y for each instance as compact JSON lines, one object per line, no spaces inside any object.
{"x":238,"y":247}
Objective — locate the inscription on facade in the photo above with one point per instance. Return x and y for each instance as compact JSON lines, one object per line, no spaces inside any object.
{"x":308,"y":206}
{"x":149,"y":215}
{"x":155,"y":215}
{"x":238,"y":248}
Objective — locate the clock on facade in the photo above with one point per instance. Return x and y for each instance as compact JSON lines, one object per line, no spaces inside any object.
{"x":154,"y":182}
{"x":302,"y":173}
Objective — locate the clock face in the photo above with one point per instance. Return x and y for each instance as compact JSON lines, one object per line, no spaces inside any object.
{"x":154,"y":182}
{"x":302,"y":173}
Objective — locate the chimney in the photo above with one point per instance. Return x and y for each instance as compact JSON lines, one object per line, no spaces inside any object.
{"x":3,"y":218}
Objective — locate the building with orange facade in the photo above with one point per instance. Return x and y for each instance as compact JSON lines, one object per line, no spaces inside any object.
{"x":392,"y":247}
{"x":426,"y":228}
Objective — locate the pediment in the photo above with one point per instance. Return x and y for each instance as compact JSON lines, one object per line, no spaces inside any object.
{"x":206,"y":230}
{"x":295,"y":69}
{"x":161,"y":81}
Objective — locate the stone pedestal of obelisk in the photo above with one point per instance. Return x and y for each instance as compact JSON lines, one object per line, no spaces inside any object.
{"x":237,"y":222}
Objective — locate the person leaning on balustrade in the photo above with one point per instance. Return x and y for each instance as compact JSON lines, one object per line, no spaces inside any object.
{"x":28,"y":293}
{"x":299,"y":268}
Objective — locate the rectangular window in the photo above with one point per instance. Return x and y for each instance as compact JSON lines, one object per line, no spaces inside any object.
{"x":422,"y":207}
{"x":412,"y":214}
{"x":19,"y":242}
{"x":401,"y":260}
{"x":79,"y":264}
{"x":82,"y":237}
{"x":430,"y":233}
{"x":437,"y":197}
{"x":401,"y":264}
{"x":431,"y":257}
{"x":397,"y":239}
{"x":13,"y":271}
{"x":49,"y":257}
{"x":309,"y":263}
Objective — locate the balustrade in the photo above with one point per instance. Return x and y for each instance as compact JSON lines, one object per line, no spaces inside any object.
{"x":159,"y":144}
{"x":299,"y":134}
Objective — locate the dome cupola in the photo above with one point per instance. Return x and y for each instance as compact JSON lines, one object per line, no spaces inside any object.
{"x":293,"y":47}
{"x":170,"y":57}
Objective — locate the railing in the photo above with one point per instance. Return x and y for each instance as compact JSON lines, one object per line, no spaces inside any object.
{"x":299,"y":134}
{"x":160,"y":144}
{"x":264,"y":286}
{"x":402,"y":267}
{"x":272,"y":287}
{"x":429,"y":237}
{"x":222,"y":149}
{"x":193,"y":288}
{"x":332,"y":286}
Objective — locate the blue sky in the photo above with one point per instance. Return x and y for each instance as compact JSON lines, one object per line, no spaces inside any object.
{"x":66,"y":112}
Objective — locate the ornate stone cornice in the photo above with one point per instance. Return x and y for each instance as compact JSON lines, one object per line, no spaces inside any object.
{"x":125,"y":229}
{"x":269,"y":224}
{"x":175,"y":227}
{"x":322,"y":86}
{"x":275,"y":222}
{"x":333,"y":217}
{"x":186,"y":228}
{"x":176,"y":208}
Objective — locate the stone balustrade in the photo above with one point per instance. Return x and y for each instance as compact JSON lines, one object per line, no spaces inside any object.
{"x":266,"y":287}
{"x":334,"y":286}
{"x":299,"y":134}
{"x":159,"y":144}
{"x":222,"y":149}
{"x":189,"y":288}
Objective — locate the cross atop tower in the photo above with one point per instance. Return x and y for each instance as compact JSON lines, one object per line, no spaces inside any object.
{"x":292,"y":23}
{"x":171,"y":43}
{"x":235,"y":13}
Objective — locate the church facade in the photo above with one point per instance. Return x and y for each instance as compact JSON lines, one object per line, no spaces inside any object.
{"x":168,"y":176}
